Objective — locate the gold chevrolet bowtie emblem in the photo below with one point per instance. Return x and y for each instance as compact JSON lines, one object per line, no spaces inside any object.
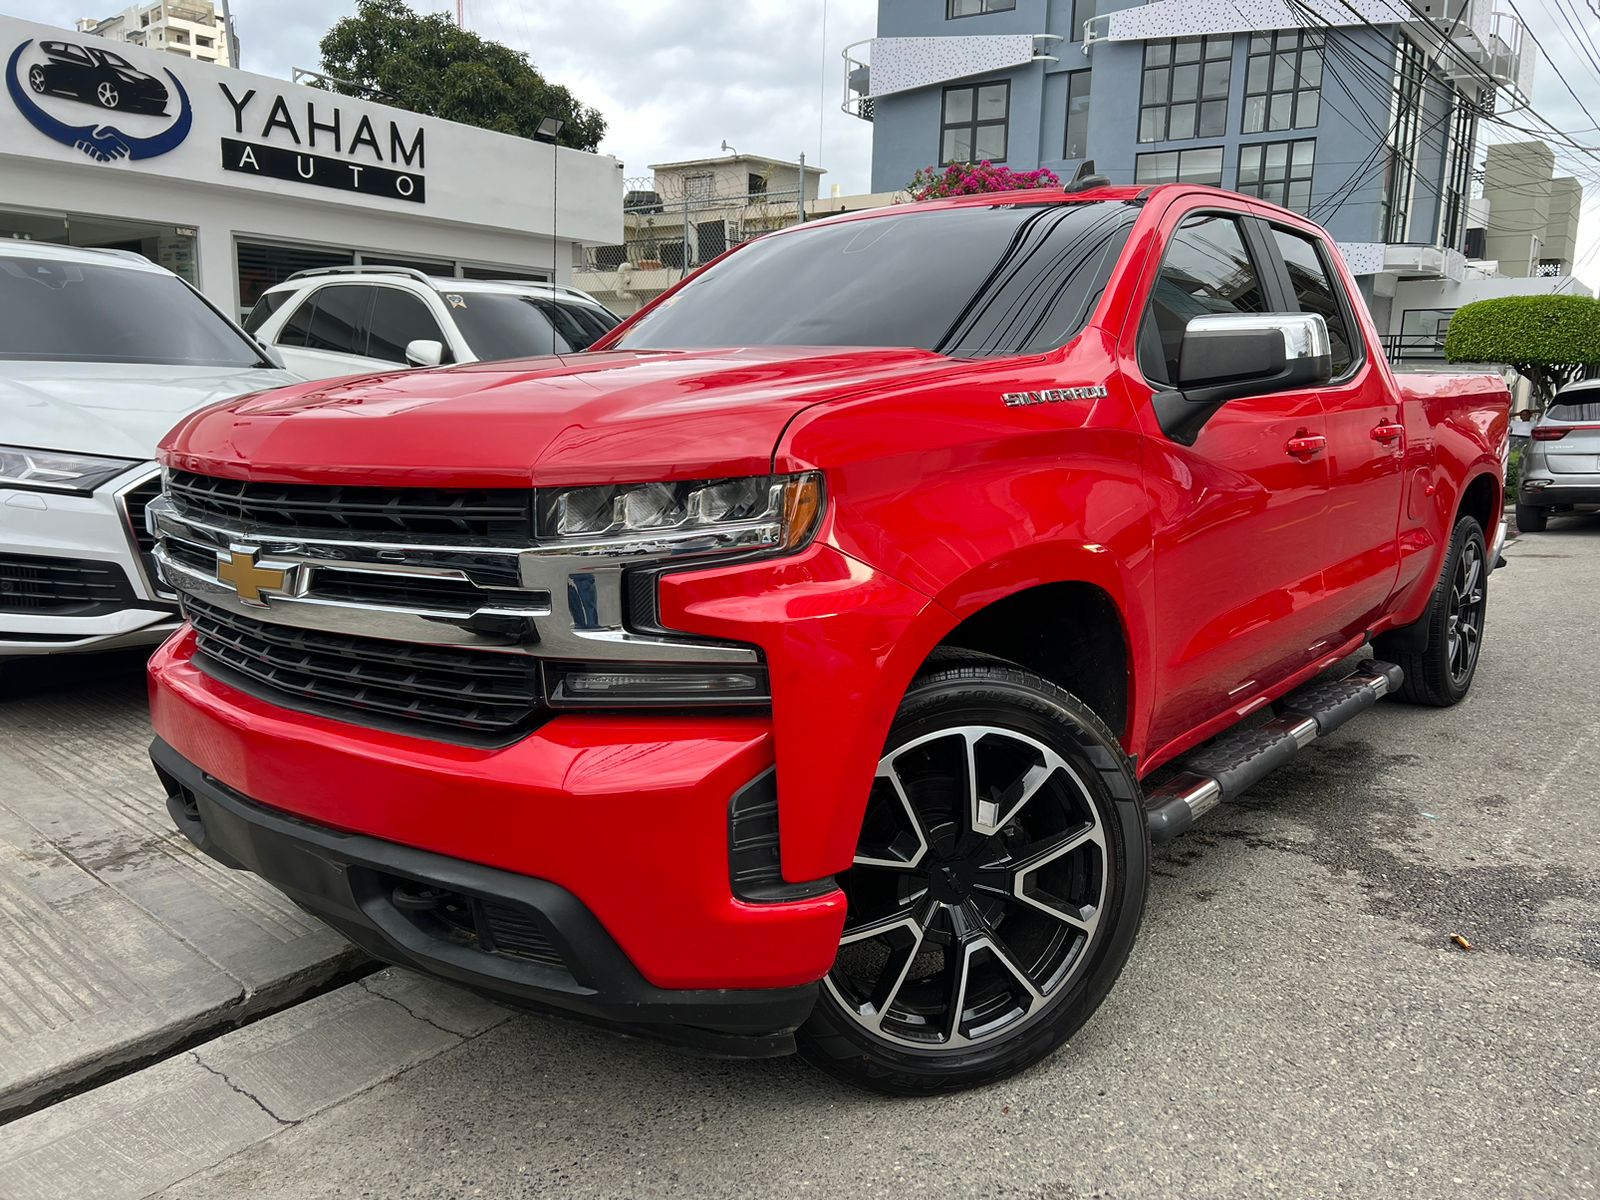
{"x":239,"y":569}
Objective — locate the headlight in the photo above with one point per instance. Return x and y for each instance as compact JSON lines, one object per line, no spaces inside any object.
{"x":57,"y":471}
{"x":764,"y":512}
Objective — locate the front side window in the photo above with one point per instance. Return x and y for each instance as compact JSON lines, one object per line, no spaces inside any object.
{"x":1077,"y":115}
{"x":1202,"y":165}
{"x":973,"y":125}
{"x":970,"y":282}
{"x":1317,"y":290}
{"x":1183,"y":92}
{"x":1279,"y":172}
{"x":54,"y":311}
{"x":1283,"y":81}
{"x":1207,"y":270}
{"x":975,"y":8}
{"x":332,"y":318}
{"x":398,"y":319}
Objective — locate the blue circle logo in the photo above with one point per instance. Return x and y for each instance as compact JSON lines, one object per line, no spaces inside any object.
{"x":97,"y":77}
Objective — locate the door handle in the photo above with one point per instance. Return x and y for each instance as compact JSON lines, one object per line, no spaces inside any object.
{"x":1304,"y":445}
{"x":1388,"y":431}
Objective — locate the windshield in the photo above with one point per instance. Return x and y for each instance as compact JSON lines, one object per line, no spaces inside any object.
{"x":55,"y":311}
{"x":968,"y":282}
{"x":507,"y":325}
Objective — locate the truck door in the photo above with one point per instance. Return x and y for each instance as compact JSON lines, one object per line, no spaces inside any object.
{"x":1366,"y":445}
{"x":1240,"y":513}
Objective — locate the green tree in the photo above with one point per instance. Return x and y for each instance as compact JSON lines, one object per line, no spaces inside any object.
{"x":426,"y":64}
{"x":1548,"y":339}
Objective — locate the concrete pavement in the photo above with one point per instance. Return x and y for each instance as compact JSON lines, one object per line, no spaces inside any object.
{"x":1295,"y":1020}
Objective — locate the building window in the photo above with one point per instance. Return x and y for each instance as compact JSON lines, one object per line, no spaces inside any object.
{"x":1458,"y":173}
{"x":1283,"y":82}
{"x":976,"y":8}
{"x":1549,"y":268}
{"x":1400,"y":172}
{"x":1279,"y":172}
{"x":700,"y":186}
{"x":755,"y":184}
{"x":1180,"y":166}
{"x":1184,"y":93}
{"x":973,"y":125}
{"x":1083,"y":11}
{"x":1077,"y":115}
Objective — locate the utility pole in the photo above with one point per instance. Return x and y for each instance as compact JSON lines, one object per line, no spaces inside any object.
{"x":801,"y":194}
{"x":227,"y":32}
{"x":683,"y":267}
{"x":461,"y":14}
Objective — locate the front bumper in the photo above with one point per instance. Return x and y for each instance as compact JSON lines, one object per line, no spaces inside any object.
{"x":95,"y":528}
{"x":544,"y":948}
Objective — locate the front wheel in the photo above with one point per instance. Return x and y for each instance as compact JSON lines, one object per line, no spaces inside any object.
{"x":996,"y":889}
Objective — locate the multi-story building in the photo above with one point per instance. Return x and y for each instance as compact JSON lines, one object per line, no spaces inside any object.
{"x":1362,"y":114}
{"x":1532,"y":223}
{"x":193,"y":28}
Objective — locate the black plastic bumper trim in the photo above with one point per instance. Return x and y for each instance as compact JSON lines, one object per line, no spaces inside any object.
{"x":345,"y":880}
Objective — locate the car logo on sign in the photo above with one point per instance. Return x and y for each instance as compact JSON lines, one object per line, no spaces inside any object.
{"x":98,"y":78}
{"x":241,"y":568}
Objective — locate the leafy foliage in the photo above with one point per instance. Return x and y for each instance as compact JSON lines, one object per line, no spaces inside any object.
{"x":428,"y":65}
{"x":1549,"y":339}
{"x":969,"y":179}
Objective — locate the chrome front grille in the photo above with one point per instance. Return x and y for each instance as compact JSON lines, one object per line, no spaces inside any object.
{"x":499,"y":516}
{"x":465,"y":694}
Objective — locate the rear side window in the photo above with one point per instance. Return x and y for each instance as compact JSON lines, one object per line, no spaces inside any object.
{"x":398,"y":319}
{"x":1576,"y":408}
{"x":339,"y":320}
{"x":1207,"y":271}
{"x":269,"y":303}
{"x":1317,"y":291}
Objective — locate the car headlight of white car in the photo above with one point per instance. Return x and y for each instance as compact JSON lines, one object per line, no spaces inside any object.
{"x":57,"y":470}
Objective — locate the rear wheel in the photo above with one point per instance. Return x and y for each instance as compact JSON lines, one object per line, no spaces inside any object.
{"x":36,"y":78}
{"x":1440,"y":673}
{"x":1531,"y":519}
{"x":996,"y":889}
{"x":106,"y":93}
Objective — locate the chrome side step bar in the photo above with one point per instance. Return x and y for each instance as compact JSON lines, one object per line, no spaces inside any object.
{"x":1239,"y":759}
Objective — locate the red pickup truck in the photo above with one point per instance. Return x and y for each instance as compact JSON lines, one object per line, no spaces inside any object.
{"x":812,"y":663}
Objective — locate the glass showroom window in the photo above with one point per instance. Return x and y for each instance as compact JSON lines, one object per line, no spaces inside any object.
{"x":1184,"y":90}
{"x":1180,"y":166}
{"x":973,"y":126}
{"x":1279,"y":172}
{"x":1283,"y":81}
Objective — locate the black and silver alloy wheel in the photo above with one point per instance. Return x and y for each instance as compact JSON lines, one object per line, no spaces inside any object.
{"x":36,"y":78}
{"x":996,"y":888}
{"x":106,"y":93}
{"x":1439,"y":652}
{"x":976,"y":890}
{"x":1468,"y":599}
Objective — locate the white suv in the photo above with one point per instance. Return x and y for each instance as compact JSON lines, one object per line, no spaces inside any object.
{"x":351,"y":320}
{"x":101,"y":352}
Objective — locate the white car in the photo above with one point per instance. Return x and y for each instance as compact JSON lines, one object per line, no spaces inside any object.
{"x":353,"y":320}
{"x":101,"y":352}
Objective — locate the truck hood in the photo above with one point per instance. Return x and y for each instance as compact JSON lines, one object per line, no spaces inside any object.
{"x":116,"y":409}
{"x":609,"y":417}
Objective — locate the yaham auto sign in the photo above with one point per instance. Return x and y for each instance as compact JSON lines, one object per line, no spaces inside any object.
{"x":90,"y":97}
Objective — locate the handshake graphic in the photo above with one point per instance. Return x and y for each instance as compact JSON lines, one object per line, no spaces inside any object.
{"x":101,"y":143}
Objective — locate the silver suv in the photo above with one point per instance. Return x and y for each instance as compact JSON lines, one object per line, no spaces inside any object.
{"x":356,"y":320}
{"x":1561,"y":465}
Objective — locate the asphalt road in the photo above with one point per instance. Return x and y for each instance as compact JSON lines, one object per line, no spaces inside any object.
{"x":1295,"y":1020}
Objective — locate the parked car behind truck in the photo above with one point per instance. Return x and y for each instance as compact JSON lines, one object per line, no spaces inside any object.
{"x":812,"y":662}
{"x":100,"y":352}
{"x":1560,"y":469}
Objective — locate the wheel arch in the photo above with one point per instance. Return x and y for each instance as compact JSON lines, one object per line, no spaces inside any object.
{"x":1481,"y":498}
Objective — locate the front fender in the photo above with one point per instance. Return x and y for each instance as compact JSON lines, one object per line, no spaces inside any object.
{"x":842,"y":643}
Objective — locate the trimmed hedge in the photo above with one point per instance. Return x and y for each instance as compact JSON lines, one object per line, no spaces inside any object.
{"x":1550,"y":339}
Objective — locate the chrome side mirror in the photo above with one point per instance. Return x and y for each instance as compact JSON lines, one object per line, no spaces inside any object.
{"x":1232,"y":355}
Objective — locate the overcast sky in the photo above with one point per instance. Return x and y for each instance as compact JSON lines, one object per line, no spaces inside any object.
{"x":675,"y":80}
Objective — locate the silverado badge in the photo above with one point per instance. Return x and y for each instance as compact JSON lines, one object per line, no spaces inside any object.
{"x":239,"y":567}
{"x":1054,"y":395}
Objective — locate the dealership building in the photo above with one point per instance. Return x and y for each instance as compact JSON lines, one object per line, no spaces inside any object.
{"x":236,"y":181}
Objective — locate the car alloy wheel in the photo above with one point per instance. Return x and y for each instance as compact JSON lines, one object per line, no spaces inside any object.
{"x":107,"y":95}
{"x":36,"y":78}
{"x":976,"y":891}
{"x":1464,"y":622}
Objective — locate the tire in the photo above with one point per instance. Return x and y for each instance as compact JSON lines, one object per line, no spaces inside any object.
{"x":107,"y":95}
{"x":1026,"y":892}
{"x":36,"y":79}
{"x":1440,"y":673}
{"x":1531,"y":519}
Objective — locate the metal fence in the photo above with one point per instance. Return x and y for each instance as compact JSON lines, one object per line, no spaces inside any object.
{"x":672,"y":224}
